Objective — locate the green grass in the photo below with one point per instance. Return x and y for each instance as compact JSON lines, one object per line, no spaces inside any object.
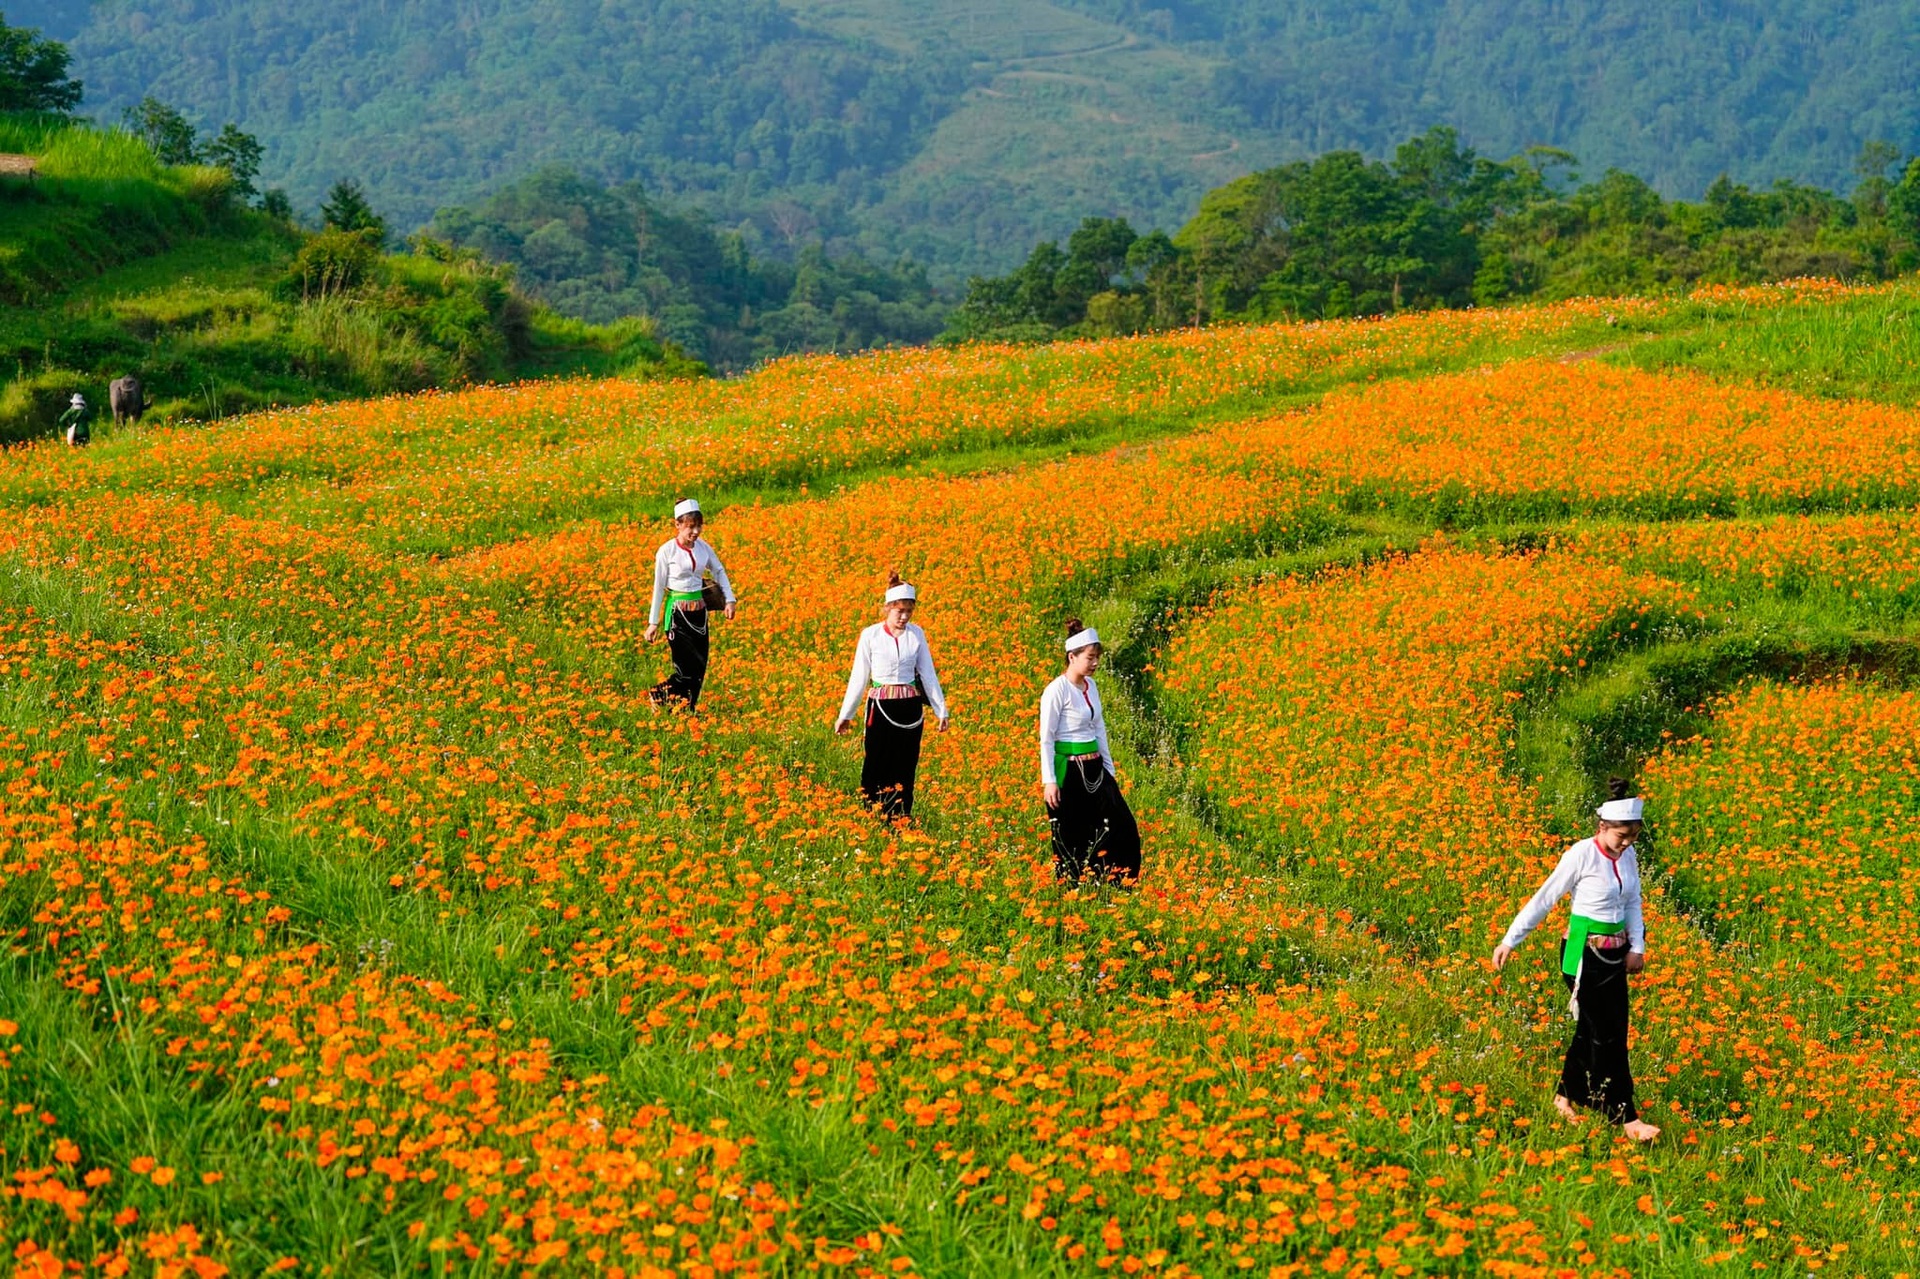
{"x":112,"y":263}
{"x":1865,"y":348}
{"x":102,"y":199}
{"x":209,"y":332}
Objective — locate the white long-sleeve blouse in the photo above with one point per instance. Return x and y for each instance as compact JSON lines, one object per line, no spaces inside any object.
{"x":882,"y":657}
{"x":679,"y":568}
{"x":1603,"y":888}
{"x":1069,"y":714}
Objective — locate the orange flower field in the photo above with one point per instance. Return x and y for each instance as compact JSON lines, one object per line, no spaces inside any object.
{"x":366,"y":917}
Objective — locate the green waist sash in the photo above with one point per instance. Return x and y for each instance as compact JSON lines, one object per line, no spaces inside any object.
{"x":1579,"y":928}
{"x":1063,"y":751}
{"x":684,"y":597}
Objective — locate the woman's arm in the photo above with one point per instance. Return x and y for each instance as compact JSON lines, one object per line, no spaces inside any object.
{"x":1100,"y":730}
{"x":719,"y":573}
{"x":659,"y":590}
{"x":930,"y":679}
{"x":1636,"y":922}
{"x":1049,"y":735}
{"x":1534,"y":913}
{"x":856,"y":683}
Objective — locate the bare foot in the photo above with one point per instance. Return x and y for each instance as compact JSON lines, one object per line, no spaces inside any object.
{"x":1567,"y":1110}
{"x":1639,"y":1130}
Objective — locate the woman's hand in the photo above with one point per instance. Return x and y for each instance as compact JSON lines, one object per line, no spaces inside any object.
{"x":1636,"y":960}
{"x":653,"y":632}
{"x":731,"y":606}
{"x":1501,"y":954}
{"x":840,"y":725}
{"x":943,"y":724}
{"x":1050,"y":793}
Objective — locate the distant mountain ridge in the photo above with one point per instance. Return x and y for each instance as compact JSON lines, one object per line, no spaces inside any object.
{"x":962,"y":132}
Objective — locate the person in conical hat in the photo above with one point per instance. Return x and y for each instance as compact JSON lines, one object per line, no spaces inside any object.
{"x":1093,"y":828}
{"x":1606,"y":939}
{"x":893,"y":672}
{"x":680,"y":569}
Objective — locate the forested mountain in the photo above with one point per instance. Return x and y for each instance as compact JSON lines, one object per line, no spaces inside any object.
{"x":964,"y":131}
{"x":602,"y":254}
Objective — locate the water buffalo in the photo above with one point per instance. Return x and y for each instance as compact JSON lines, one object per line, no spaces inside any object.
{"x":127,"y":398}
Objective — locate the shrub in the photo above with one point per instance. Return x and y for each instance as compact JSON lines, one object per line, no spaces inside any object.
{"x":332,"y":263}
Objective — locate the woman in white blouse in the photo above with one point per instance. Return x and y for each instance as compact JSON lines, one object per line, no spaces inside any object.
{"x":1093,"y":829}
{"x":680,"y":569}
{"x":893,"y":672}
{"x":1606,"y":939}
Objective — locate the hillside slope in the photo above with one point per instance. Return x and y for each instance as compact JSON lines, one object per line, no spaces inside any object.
{"x":966,"y":131}
{"x":112,"y":263}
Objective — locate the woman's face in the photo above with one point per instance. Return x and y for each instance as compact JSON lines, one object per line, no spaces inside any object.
{"x":899,"y":613}
{"x":686,"y":529}
{"x":1616,"y":837}
{"x":1083,"y":662}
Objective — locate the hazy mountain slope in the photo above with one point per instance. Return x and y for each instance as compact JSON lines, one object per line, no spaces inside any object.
{"x":1065,"y":117}
{"x":433,"y":101}
{"x":1678,"y":93}
{"x":967,"y":129}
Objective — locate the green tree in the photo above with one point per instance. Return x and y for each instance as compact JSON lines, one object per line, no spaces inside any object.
{"x":277,"y":204}
{"x":1870,"y":177}
{"x":164,"y":129}
{"x":1096,"y":253}
{"x":603,"y":253}
{"x":1903,"y":203}
{"x":347,"y":209}
{"x":239,"y":154}
{"x":33,"y":72}
{"x":1021,"y":306}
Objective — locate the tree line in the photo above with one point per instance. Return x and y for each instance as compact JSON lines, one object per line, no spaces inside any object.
{"x":600,"y":253}
{"x":1438,"y":225}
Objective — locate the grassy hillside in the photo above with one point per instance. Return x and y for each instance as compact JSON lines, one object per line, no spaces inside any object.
{"x":111,"y":263}
{"x":101,"y":199}
{"x":967,"y":131}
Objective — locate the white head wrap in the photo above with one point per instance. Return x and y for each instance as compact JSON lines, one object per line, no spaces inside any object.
{"x":79,"y":400}
{"x":1082,"y":639}
{"x":688,"y":507}
{"x":904,"y":591}
{"x":1621,"y":810}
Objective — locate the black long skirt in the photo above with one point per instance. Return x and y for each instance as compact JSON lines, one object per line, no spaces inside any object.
{"x":1093,"y":829}
{"x":895,"y":726}
{"x":687,"y":638}
{"x":1597,"y":1074}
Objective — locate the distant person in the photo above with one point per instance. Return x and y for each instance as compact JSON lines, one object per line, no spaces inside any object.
{"x":893,"y":672}
{"x":76,"y":424}
{"x":1093,"y":829}
{"x":680,"y":571}
{"x":1606,"y":939}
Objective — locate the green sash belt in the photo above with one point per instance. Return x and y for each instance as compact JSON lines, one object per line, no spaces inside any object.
{"x":1578,"y":930}
{"x":1062,"y":751}
{"x":684,"y":597}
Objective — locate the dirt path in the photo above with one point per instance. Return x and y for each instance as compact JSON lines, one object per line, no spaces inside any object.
{"x":1126,"y":41}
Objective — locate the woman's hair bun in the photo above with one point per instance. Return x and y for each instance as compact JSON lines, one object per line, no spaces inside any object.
{"x":1619,"y":788}
{"x":893,"y":577}
{"x":1074,"y":627}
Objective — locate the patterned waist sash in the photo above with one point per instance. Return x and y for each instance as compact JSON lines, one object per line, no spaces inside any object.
{"x":1579,"y":930}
